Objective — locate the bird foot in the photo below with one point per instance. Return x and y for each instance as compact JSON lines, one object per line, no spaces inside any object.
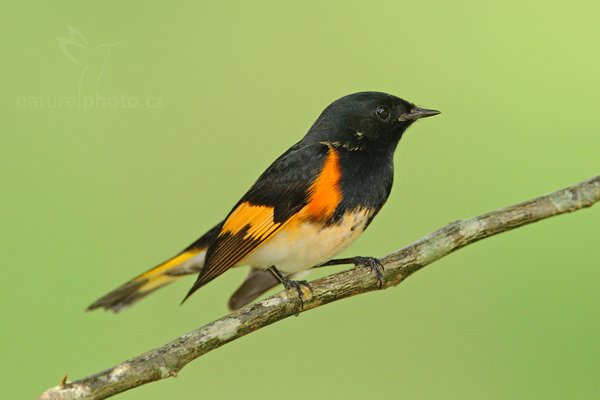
{"x":374,"y":265}
{"x":289,"y":284}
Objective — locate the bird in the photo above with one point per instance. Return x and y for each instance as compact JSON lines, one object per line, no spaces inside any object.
{"x":311,"y":203}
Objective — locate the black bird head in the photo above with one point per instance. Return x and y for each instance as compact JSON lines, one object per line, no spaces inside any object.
{"x":366,"y":121}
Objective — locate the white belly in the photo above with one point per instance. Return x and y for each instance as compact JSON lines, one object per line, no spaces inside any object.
{"x":302,"y":245}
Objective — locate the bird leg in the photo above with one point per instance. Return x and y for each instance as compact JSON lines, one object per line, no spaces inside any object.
{"x":288,"y":283}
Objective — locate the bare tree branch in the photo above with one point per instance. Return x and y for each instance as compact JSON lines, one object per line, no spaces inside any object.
{"x":166,"y":361}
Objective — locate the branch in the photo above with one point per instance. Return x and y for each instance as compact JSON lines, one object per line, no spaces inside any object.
{"x":167,"y":360}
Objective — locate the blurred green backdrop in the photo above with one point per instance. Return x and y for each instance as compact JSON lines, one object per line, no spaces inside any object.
{"x":187,"y":102}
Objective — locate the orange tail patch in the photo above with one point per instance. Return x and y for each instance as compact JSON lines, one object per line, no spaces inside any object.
{"x":155,"y":278}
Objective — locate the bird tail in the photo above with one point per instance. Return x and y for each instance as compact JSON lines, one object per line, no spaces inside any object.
{"x":185,"y":263}
{"x":189,"y":261}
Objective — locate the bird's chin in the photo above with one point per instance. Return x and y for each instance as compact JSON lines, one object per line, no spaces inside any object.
{"x":401,"y":127}
{"x":394,"y":136}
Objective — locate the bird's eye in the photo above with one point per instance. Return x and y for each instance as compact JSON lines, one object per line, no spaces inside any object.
{"x":383,"y":112}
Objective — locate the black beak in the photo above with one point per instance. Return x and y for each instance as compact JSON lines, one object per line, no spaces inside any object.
{"x":417,"y":113}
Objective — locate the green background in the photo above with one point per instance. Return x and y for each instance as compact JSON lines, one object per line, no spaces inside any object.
{"x":92,"y":197}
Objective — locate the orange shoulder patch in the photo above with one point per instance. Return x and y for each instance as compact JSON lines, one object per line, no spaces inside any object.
{"x":325,"y":193}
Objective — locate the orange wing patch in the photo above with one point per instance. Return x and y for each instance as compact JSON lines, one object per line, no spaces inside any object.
{"x":325,"y":193}
{"x":246,"y":227}
{"x":257,"y":219}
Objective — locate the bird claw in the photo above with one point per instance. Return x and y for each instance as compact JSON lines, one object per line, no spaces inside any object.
{"x":289,"y":284}
{"x":374,"y":265}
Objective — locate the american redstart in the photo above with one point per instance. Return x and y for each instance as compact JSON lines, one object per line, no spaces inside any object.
{"x":309,"y":205}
